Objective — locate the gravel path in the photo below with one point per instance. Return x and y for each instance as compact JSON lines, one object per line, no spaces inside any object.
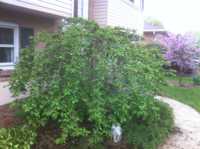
{"x":187,"y":126}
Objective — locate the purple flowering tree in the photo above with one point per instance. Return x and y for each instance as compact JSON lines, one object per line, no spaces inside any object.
{"x":182,"y":52}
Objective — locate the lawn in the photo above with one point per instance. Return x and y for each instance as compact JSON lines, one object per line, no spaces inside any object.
{"x":189,"y":96}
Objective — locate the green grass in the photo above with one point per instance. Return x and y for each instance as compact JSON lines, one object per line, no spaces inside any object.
{"x":184,"y":79}
{"x":189,"y":96}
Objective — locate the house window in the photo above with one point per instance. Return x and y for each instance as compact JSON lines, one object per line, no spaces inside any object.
{"x":142,"y":4}
{"x":9,"y":44}
{"x":75,"y":8}
{"x":25,"y":35}
{"x":81,"y":8}
{"x":6,"y":45}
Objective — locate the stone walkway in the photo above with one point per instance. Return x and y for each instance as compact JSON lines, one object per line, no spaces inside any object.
{"x":187,"y":122}
{"x":5,"y":95}
{"x":187,"y":126}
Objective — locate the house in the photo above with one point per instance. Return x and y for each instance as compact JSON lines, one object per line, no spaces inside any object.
{"x":151,"y":31}
{"x":20,"y":19}
{"x":122,"y":13}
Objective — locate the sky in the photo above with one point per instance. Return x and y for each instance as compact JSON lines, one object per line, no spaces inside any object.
{"x":176,"y":15}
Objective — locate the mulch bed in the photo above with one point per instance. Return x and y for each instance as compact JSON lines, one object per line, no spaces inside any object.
{"x":183,"y":85}
{"x":47,"y":135}
{"x":8,"y":117}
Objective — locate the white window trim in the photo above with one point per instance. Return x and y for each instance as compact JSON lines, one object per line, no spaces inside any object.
{"x":15,"y":27}
{"x":83,"y":8}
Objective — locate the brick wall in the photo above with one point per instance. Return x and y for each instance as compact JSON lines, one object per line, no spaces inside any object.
{"x":4,"y":75}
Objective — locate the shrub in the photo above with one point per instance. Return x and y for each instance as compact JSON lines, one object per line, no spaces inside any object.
{"x":196,"y":80}
{"x":87,"y":78}
{"x":182,"y":52}
{"x":149,"y":133}
{"x":17,"y":138}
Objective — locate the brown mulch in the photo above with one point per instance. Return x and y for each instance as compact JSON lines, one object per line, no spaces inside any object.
{"x":8,"y":117}
{"x":47,"y":136}
{"x":183,"y":85}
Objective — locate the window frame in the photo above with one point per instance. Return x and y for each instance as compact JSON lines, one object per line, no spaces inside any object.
{"x":15,"y":45}
{"x":21,"y":29}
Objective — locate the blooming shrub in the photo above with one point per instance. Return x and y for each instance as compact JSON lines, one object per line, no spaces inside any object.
{"x":182,"y":52}
{"x":88,"y":78}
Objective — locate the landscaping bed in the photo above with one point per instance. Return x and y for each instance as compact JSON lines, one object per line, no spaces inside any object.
{"x":8,"y":117}
{"x":188,"y":93}
{"x":14,"y":133}
{"x":86,"y":81}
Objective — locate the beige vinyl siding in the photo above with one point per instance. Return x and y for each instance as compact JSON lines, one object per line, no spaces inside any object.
{"x":121,"y":13}
{"x":124,"y":13}
{"x":98,"y":11}
{"x":63,"y":8}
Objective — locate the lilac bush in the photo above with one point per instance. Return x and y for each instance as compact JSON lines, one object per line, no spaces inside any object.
{"x":182,"y":52}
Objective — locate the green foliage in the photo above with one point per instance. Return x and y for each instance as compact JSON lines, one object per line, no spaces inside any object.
{"x":17,"y":138}
{"x":196,"y":80}
{"x":149,"y":133}
{"x":153,"y":21}
{"x":189,"y":95}
{"x":87,"y":78}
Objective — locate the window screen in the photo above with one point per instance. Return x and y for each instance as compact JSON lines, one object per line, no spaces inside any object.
{"x":25,"y":34}
{"x":6,"y":45}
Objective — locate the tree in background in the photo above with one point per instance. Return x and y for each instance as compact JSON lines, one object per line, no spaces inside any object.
{"x":182,"y":52}
{"x":153,"y":21}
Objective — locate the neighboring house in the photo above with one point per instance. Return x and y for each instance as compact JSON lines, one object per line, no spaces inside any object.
{"x":151,"y":31}
{"x":122,"y":13}
{"x":20,"y":19}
